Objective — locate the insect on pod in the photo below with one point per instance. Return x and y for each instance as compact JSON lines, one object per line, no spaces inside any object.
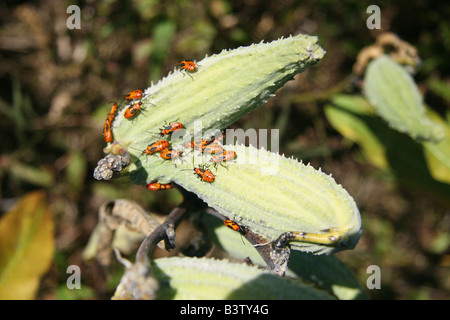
{"x":188,"y":65}
{"x":169,"y":153}
{"x":154,"y":186}
{"x":234,"y":226}
{"x":107,"y":132}
{"x":198,"y":144}
{"x":213,"y":148}
{"x":204,"y":174}
{"x":225,"y":156}
{"x":131,"y":110}
{"x":171,"y":128}
{"x":156,"y":146}
{"x":135,"y":94}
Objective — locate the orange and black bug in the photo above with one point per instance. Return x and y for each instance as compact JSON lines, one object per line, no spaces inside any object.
{"x":204,"y":174}
{"x":213,"y":148}
{"x":198,"y":144}
{"x":168,"y":153}
{"x":188,"y":65}
{"x":107,"y":132}
{"x":156,"y":146}
{"x":135,"y":94}
{"x":225,"y":156}
{"x":171,"y":128}
{"x":154,"y":186}
{"x":131,"y":110}
{"x":234,"y":226}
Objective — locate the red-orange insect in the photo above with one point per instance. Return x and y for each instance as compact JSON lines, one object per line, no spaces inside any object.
{"x":225,"y":156}
{"x":168,"y":153}
{"x":131,"y":110}
{"x":154,"y":186}
{"x":156,"y":146}
{"x":188,"y":65}
{"x":204,"y":174}
{"x":234,"y":226}
{"x":171,"y":128}
{"x":198,"y":144}
{"x":107,"y":132}
{"x":214,"y":148}
{"x":135,"y":94}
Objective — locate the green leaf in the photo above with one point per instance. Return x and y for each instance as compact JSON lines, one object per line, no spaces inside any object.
{"x":40,"y":176}
{"x":76,"y":171}
{"x":437,"y":155}
{"x":440,"y":88}
{"x":347,"y":114}
{"x":328,"y":273}
{"x":396,"y":98}
{"x":415,"y":164}
{"x":205,"y":279}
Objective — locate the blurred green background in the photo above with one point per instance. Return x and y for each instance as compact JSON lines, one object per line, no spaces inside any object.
{"x":57,"y":86}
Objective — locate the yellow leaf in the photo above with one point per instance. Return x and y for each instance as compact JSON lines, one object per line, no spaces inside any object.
{"x":26,"y":246}
{"x":437,"y":154}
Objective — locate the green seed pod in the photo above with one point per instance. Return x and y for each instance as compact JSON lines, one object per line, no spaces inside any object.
{"x":395,"y":97}
{"x":272,"y":194}
{"x":197,"y":279}
{"x":264,"y":191}
{"x":226,"y":87}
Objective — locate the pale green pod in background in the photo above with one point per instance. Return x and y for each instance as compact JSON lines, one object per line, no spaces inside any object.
{"x":396,"y":98}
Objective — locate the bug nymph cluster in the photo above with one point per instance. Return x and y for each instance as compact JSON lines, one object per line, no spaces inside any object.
{"x":211,"y":147}
{"x":134,"y":101}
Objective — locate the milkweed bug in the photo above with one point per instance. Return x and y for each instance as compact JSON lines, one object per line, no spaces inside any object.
{"x":188,"y":65}
{"x":225,"y":156}
{"x":234,"y":226}
{"x":107,"y":132}
{"x":154,"y":186}
{"x":214,"y":148}
{"x":156,"y":146}
{"x":204,"y":174}
{"x":112,"y":113}
{"x":198,"y":144}
{"x":168,"y":153}
{"x":131,"y":110}
{"x":171,"y":128}
{"x":135,"y":94}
